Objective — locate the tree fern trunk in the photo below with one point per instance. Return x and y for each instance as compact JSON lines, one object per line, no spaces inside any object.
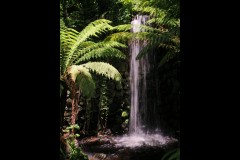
{"x":103,"y":106}
{"x":63,"y":104}
{"x":75,"y":99}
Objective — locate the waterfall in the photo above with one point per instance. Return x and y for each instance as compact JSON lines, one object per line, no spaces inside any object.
{"x":138,"y":73}
{"x":143,"y":128}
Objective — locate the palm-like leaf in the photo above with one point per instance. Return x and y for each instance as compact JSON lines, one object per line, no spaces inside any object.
{"x":103,"y":69}
{"x":85,"y":81}
{"x":81,"y":75}
{"x":70,"y":40}
{"x":120,"y":37}
{"x":99,"y":50}
{"x":105,"y":52}
{"x":155,"y":40}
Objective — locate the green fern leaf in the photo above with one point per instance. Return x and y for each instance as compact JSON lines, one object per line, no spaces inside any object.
{"x":71,"y":42}
{"x":105,"y":52}
{"x":104,"y":69}
{"x":82,"y":78}
{"x":122,"y":37}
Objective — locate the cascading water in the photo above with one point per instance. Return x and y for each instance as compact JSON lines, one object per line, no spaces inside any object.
{"x":144,"y":140}
{"x":140,"y":113}
{"x":138,"y":72}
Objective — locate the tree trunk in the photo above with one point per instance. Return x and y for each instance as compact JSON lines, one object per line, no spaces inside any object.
{"x":63,"y":104}
{"x":75,"y":100}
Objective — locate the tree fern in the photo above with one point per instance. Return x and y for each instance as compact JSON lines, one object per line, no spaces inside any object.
{"x":76,"y":48}
{"x":72,"y":40}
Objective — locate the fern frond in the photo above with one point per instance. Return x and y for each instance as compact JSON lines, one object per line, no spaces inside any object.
{"x":154,"y":38}
{"x":67,"y":39}
{"x":102,"y":53}
{"x":62,"y":24}
{"x":164,"y":22}
{"x":104,"y":69}
{"x":151,"y":46}
{"x":124,"y":27}
{"x":168,"y":56}
{"x":120,"y":37}
{"x":145,"y":50}
{"x":82,"y":78}
{"x":172,"y":155}
{"x":145,"y":28}
{"x":93,"y":29}
{"x":85,"y":44}
{"x":85,"y":82}
{"x":152,"y":11}
{"x":148,"y":7}
{"x":71,"y":45}
{"x":97,"y":50}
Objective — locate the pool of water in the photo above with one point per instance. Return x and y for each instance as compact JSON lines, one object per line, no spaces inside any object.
{"x":130,"y":147}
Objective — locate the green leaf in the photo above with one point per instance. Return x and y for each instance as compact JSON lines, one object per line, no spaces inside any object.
{"x":66,"y":130}
{"x":124,"y":114}
{"x":77,"y":135}
{"x":104,"y":69}
{"x":172,"y":155}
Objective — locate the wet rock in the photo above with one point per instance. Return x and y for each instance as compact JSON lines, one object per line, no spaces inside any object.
{"x":144,"y":152}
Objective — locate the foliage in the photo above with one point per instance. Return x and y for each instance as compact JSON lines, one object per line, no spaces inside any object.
{"x":75,"y":152}
{"x":78,"y":13}
{"x":81,"y":74}
{"x":165,"y":30}
{"x":162,"y":30}
{"x":172,"y":155}
{"x":76,"y":48}
{"x":89,"y":42}
{"x":103,"y":106}
{"x":124,"y":114}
